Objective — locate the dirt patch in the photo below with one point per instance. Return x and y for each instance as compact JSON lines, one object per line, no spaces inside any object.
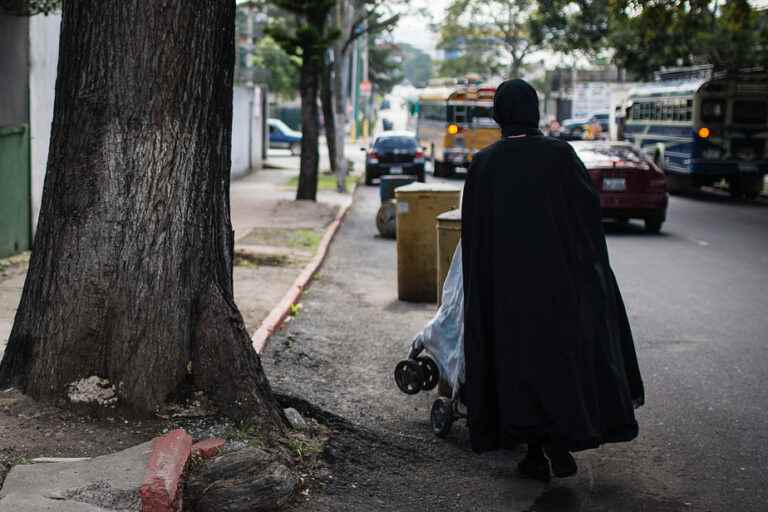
{"x":301,"y":239}
{"x":30,"y":429}
{"x":14,"y":265}
{"x":256,"y":259}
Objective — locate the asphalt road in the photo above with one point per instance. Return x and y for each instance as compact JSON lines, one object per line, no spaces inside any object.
{"x":697,"y":299}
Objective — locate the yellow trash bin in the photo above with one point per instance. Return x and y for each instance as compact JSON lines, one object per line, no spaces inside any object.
{"x":418,"y":205}
{"x":448,"y":236}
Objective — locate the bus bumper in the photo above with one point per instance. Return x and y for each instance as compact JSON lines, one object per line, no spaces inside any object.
{"x":729,"y":168}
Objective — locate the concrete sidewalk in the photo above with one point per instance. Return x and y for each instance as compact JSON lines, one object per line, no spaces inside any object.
{"x":275,"y":237}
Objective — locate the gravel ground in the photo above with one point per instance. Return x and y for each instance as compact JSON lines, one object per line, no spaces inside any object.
{"x":339,"y":354}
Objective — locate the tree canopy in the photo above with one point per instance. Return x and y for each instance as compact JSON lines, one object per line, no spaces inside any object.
{"x":384,"y":63}
{"x":731,"y":35}
{"x":640,"y":36}
{"x":417,"y":64}
{"x":283,"y":79}
{"x":486,"y":34}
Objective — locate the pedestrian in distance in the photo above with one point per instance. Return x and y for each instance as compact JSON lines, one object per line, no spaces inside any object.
{"x":550,"y":359}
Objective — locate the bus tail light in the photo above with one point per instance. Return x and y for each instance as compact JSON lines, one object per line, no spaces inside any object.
{"x":419,"y":157}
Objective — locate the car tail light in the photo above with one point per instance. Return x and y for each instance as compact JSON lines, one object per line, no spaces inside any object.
{"x":373,"y":157}
{"x":419,"y":157}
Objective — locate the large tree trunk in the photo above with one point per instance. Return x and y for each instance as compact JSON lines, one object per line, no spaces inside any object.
{"x":310,"y":126}
{"x":131,"y":274}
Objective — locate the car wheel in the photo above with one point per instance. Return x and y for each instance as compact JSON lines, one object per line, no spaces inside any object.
{"x":368,"y":178}
{"x":746,"y":187}
{"x":653,"y":225}
{"x":295,"y":148}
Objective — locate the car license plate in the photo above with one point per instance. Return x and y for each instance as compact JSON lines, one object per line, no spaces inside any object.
{"x":747,"y":167}
{"x":460,"y":170}
{"x":614,"y":184}
{"x":396,"y":170}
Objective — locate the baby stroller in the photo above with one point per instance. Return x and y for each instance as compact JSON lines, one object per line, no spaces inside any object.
{"x":443,"y":340}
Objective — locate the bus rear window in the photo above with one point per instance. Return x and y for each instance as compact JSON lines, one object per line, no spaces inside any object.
{"x":712,"y":110}
{"x":750,"y":112}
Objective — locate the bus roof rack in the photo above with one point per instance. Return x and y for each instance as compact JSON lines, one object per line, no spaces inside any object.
{"x":702,"y":72}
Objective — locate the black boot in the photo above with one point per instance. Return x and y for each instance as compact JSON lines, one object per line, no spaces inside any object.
{"x":563,"y":463}
{"x":535,"y":465}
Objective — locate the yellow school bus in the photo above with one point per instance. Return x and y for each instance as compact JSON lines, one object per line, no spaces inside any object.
{"x":454,"y":123}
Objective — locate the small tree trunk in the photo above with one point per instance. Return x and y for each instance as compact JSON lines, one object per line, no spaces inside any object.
{"x":310,"y":126}
{"x":344,"y":20}
{"x":131,"y":275}
{"x":329,"y":114}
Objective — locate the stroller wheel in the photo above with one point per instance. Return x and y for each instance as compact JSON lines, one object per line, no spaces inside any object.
{"x":442,"y":416}
{"x":409,"y":376}
{"x":430,"y":371}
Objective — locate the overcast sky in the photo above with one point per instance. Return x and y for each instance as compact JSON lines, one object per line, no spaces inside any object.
{"x":415,"y":30}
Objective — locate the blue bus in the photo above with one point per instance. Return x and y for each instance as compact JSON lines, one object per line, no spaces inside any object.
{"x":704,"y":129}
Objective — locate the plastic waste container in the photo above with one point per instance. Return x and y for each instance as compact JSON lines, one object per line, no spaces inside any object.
{"x":448,"y":236}
{"x":389,"y":182}
{"x":418,"y":206}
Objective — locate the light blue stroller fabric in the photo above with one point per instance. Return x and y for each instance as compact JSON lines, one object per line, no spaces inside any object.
{"x":443,"y":336}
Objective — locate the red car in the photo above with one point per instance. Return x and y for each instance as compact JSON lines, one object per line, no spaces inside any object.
{"x":631,"y":186}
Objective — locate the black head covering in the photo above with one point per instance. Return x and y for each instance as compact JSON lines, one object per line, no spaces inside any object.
{"x":516,"y":108}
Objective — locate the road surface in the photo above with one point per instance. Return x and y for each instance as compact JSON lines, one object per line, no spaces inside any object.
{"x":697,"y":296}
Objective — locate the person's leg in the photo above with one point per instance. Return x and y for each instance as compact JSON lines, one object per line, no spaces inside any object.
{"x":535,"y":464}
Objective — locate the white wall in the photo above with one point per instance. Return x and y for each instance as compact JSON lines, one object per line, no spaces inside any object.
{"x":241,"y":105}
{"x":257,"y":129}
{"x":43,"y":58}
{"x":247,"y":131}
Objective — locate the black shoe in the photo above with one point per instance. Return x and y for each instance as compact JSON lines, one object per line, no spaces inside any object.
{"x":536,"y":467}
{"x":563,"y":463}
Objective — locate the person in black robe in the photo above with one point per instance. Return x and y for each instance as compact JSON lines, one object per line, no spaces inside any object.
{"x":550,"y":359}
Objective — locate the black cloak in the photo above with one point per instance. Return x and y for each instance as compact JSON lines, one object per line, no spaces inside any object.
{"x":549,"y":351}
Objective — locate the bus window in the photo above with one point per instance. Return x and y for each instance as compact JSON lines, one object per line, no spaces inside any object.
{"x":750,"y":112}
{"x":482,"y":116}
{"x":688,"y":110}
{"x":712,"y":111}
{"x":457,"y":114}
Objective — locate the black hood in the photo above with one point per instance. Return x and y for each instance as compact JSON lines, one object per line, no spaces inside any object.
{"x":516,"y":108}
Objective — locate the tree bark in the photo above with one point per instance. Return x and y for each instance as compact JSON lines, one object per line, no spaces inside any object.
{"x":344,"y":19}
{"x":309,"y":76}
{"x":131,"y":275}
{"x":329,"y":114}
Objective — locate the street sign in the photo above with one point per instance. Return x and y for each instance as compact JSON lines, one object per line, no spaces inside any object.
{"x":365,"y":88}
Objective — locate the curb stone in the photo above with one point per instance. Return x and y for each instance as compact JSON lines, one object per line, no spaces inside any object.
{"x":160,"y":490}
{"x":278,"y":314}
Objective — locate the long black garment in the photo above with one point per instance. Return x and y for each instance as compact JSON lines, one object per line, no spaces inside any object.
{"x":549,"y":351}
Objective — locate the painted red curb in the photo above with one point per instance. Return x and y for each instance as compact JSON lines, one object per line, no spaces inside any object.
{"x":208,"y":448}
{"x":160,"y":490}
{"x":277,"y":316}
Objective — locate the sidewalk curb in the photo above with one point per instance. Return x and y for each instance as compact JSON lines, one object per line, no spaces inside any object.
{"x":278,"y":314}
{"x":160,"y":490}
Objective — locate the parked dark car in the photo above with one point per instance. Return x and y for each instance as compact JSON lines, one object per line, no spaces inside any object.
{"x":631,"y":186}
{"x":394,"y":152}
{"x":281,"y":136}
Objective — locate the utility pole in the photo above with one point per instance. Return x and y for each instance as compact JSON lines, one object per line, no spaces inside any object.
{"x":368,"y":90}
{"x":355,"y":89}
